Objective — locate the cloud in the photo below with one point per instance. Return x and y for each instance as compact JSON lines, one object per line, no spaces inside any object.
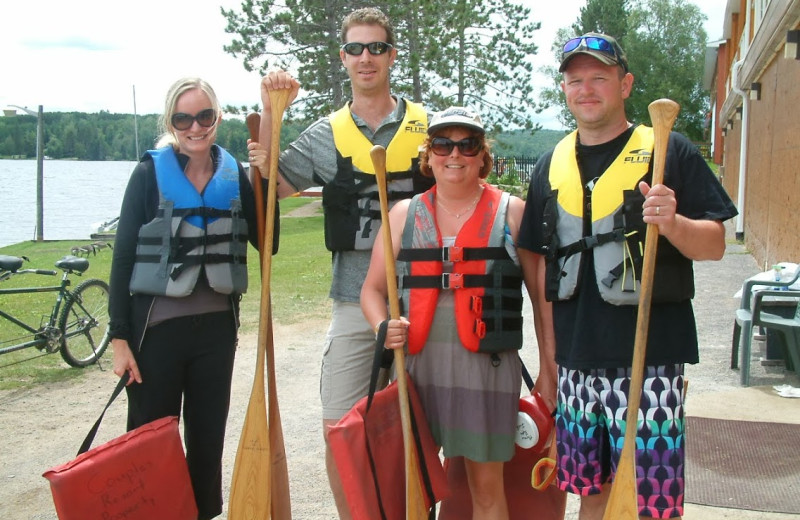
{"x":69,"y":43}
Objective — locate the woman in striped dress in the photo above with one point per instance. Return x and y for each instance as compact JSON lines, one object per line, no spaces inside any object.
{"x":460,"y":288}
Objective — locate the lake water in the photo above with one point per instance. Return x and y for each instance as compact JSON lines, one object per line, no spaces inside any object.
{"x":78,"y":195}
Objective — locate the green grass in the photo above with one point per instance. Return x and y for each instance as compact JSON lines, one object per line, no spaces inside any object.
{"x":300,"y":281}
{"x":30,"y":366}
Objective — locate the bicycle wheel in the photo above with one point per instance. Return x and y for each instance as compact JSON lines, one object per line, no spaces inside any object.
{"x":84,"y":322}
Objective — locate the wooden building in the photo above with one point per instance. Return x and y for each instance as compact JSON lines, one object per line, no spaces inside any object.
{"x":753,"y":74}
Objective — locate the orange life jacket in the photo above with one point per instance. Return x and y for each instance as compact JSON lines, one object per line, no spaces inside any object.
{"x":486,"y":281}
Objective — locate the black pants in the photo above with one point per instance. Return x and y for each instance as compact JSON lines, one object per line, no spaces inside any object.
{"x":190,"y":359}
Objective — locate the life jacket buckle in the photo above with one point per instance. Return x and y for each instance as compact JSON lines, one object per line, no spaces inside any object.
{"x":476,"y":305}
{"x":589,"y":242}
{"x":453,"y":254}
{"x":452,"y":281}
{"x":480,"y":328}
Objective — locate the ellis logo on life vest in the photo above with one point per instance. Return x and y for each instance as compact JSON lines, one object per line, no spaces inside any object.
{"x":640,"y":155}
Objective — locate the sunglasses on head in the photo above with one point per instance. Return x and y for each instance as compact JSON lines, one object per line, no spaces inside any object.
{"x":374,"y":48}
{"x":204,"y":118}
{"x":469,"y":147}
{"x":595,"y":43}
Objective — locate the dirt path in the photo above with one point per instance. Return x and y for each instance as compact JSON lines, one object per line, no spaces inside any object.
{"x":45,"y":426}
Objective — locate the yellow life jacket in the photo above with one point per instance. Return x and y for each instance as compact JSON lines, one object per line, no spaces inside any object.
{"x":350,"y":201}
{"x":617,"y":233}
{"x":404,"y":147}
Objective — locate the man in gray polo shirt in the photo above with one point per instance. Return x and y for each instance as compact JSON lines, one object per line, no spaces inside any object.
{"x":334,"y":153}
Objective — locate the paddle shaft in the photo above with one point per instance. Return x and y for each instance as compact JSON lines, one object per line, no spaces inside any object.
{"x":623,"y":501}
{"x":253,"y":121}
{"x":281,"y":501}
{"x":415,"y":503}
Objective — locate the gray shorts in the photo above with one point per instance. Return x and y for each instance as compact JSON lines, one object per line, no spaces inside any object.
{"x":346,"y":360}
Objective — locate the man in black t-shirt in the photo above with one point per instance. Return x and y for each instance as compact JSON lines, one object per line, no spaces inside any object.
{"x":580,"y":245}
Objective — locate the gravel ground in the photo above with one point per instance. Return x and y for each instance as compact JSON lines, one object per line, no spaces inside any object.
{"x":44,"y":426}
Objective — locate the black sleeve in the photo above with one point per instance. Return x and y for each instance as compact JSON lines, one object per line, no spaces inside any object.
{"x":699,"y":193}
{"x":530,"y":229}
{"x":138,"y":207}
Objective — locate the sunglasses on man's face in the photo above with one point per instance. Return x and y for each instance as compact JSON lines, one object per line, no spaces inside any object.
{"x":204,"y":118}
{"x":374,"y":48}
{"x":469,"y":147}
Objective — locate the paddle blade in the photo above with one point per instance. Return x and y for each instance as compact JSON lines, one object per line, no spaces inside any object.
{"x":279,"y":473}
{"x":250,"y":485}
{"x":623,"y":500}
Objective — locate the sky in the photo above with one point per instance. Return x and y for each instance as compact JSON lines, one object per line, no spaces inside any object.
{"x":90,"y":55}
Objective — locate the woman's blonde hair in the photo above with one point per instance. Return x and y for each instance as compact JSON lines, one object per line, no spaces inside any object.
{"x":488,"y":161}
{"x":180,"y":87}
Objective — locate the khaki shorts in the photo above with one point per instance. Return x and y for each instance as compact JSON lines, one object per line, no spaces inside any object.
{"x":346,"y":361}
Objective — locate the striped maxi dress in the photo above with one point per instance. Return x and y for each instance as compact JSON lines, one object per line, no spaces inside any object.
{"x":470,"y":399}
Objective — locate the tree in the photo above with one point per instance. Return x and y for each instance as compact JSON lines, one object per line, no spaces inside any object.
{"x":490,"y":43}
{"x":666,"y":52}
{"x":664,"y":42}
{"x":301,"y":35}
{"x":604,"y":16}
{"x":450,"y":52}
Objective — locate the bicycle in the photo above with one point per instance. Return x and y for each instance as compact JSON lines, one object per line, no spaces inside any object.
{"x":77,"y":326}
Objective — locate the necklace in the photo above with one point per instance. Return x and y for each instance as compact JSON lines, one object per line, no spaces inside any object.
{"x":463,"y":212}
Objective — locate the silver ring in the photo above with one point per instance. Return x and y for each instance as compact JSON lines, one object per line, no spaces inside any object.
{"x":658,"y":210}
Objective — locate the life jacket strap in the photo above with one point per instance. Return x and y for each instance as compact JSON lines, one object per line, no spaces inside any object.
{"x":452,"y":254}
{"x":458,"y":281}
{"x":586,"y":243}
{"x":507,"y":324}
{"x":194,"y":212}
{"x":479,"y":304}
{"x":193,"y":260}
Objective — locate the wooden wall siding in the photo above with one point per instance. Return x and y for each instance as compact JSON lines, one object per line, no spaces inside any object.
{"x":772,"y":224}
{"x":784,"y":234}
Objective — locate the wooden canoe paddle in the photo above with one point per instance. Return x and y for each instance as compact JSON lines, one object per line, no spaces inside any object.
{"x":415,"y":502}
{"x":251,"y":485}
{"x":623,"y":500}
{"x":253,"y":121}
{"x":281,"y":499}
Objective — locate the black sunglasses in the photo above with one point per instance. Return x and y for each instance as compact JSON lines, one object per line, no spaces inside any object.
{"x":469,"y":147}
{"x":374,"y":48}
{"x":204,"y":118}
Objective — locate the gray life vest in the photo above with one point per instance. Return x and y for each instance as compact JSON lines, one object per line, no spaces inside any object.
{"x":192,"y":231}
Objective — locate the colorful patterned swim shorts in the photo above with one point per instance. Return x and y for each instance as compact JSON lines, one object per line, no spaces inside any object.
{"x":590,"y":422}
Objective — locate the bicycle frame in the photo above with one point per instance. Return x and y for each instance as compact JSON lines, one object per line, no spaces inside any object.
{"x":77,"y":327}
{"x":51,"y":322}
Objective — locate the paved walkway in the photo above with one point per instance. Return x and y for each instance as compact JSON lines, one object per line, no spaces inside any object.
{"x":714,"y":389}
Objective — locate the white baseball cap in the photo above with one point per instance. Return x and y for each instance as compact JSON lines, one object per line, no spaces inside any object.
{"x":456,"y":116}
